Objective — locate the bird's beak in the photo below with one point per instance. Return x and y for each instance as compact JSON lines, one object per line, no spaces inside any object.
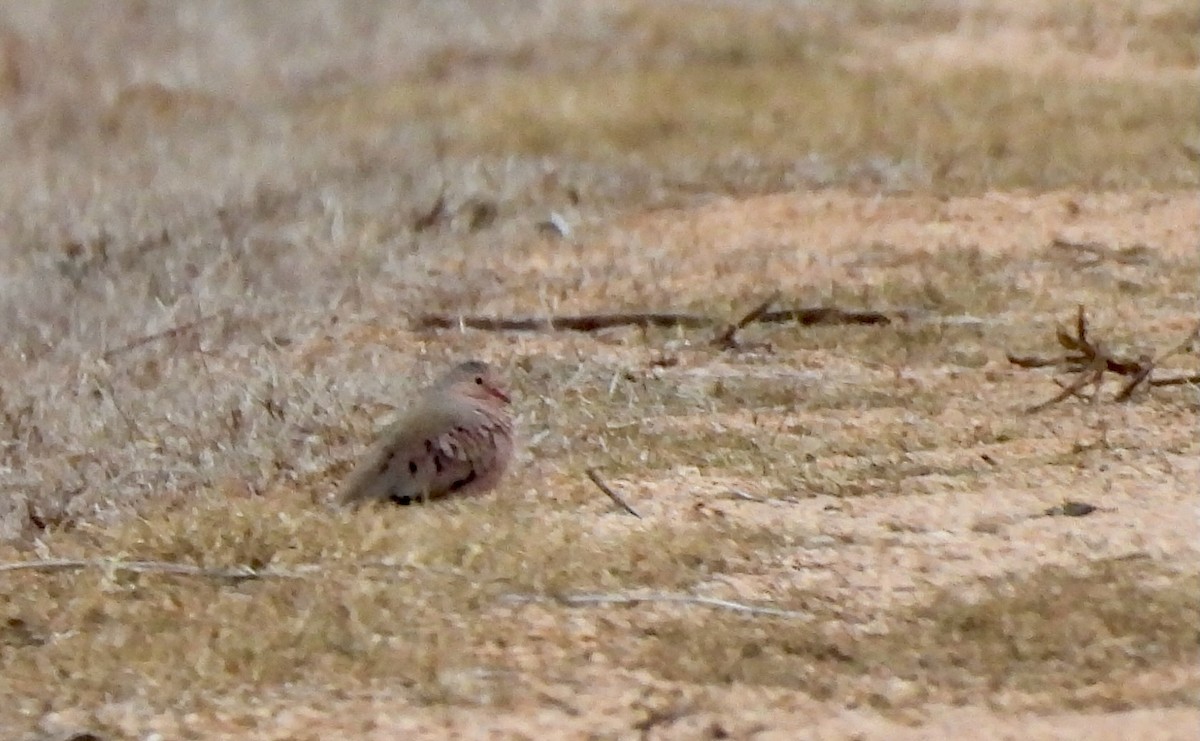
{"x":499,"y":394}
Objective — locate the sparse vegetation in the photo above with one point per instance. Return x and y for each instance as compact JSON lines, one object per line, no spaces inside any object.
{"x":222,"y":226}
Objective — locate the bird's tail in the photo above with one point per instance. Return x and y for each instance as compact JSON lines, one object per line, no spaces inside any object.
{"x":357,"y":489}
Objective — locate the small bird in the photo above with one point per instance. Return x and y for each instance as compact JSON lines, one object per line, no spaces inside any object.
{"x":455,"y":438}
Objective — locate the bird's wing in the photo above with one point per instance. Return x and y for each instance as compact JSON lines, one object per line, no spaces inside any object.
{"x":433,"y":451}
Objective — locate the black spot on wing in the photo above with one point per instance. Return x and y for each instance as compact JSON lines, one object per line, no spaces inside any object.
{"x":456,"y":485}
{"x":401,"y":499}
{"x":438,"y":463}
{"x":387,"y":461}
{"x":412,"y":466}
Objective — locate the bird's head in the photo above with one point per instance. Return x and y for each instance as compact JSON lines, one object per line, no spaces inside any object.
{"x":476,"y":380}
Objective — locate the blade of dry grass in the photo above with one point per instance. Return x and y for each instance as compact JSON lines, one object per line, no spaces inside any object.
{"x":576,"y":600}
{"x":594,"y":475}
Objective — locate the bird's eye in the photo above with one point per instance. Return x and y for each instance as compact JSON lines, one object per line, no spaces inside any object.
{"x":478,"y":380}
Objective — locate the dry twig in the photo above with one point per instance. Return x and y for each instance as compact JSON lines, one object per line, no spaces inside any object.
{"x":739,"y":494}
{"x":1091,"y":376}
{"x":595,"y":477}
{"x":168,"y":333}
{"x":1090,"y":360}
{"x":1184,"y":345}
{"x":661,"y":597}
{"x":806,"y":316}
{"x":727,"y":339}
{"x":577,"y":323}
{"x":1070,"y":509}
{"x":381,"y":570}
{"x":1095,"y":252}
{"x":1189,"y":380}
{"x":159,"y":567}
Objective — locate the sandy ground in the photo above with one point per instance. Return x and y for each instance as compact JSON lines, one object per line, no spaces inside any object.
{"x":970,"y":518}
{"x":608,"y":707}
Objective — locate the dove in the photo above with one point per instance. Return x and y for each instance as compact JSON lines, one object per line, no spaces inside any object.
{"x":455,"y":438}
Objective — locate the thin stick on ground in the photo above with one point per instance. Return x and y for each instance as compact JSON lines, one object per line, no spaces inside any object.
{"x":806,"y":316}
{"x":576,"y":323}
{"x":158,"y":567}
{"x":1191,"y":380}
{"x":1184,"y":345}
{"x":660,"y":597}
{"x":739,"y":494}
{"x":1032,"y":361}
{"x":595,"y":477}
{"x":390,"y":571}
{"x":168,"y":333}
{"x":1071,"y":389}
{"x":1094,"y":252}
{"x":728,"y":338}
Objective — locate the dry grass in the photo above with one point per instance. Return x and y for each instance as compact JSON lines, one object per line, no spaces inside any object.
{"x":213,"y":248}
{"x":804,"y":98}
{"x":373,"y":612}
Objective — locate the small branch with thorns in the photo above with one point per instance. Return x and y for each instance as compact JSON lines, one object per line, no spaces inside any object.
{"x":1089,"y":359}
